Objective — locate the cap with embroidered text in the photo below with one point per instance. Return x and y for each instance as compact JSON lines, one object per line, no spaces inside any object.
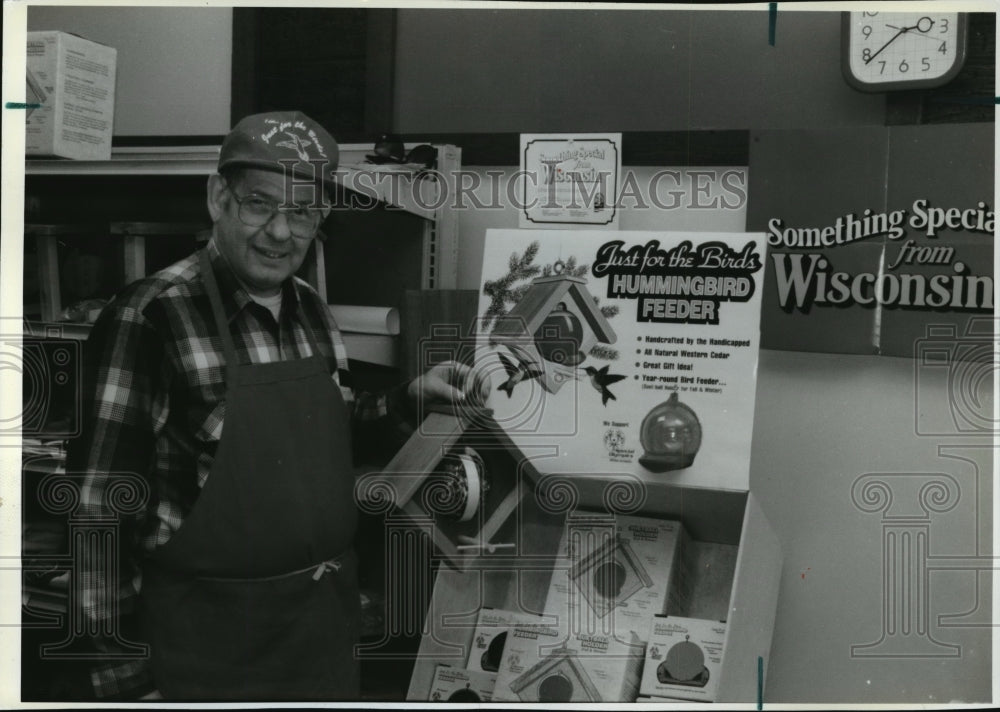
{"x":280,"y":141}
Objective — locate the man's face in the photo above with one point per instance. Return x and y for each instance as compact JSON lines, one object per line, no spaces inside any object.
{"x":262,"y":257}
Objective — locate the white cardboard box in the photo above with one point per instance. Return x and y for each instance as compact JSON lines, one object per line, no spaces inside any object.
{"x":614,"y":574}
{"x":74,"y":81}
{"x":492,"y":630}
{"x":548,"y":665}
{"x":453,"y":684}
{"x":683,"y":658}
{"x":741,"y":588}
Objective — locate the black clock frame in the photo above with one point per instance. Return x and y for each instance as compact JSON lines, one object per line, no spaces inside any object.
{"x":961,"y":46}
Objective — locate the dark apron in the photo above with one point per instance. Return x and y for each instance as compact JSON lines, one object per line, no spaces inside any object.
{"x":255,"y":597}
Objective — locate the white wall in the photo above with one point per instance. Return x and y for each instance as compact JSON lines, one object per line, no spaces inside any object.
{"x":822,"y":422}
{"x":174,"y":64}
{"x":682,"y":200}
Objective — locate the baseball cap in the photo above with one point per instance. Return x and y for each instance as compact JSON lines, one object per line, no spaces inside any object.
{"x":265,"y":140}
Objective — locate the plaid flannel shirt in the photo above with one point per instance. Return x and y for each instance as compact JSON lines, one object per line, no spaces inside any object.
{"x":154,"y":408}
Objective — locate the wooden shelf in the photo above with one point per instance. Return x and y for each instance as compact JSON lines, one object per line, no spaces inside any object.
{"x":398,"y":186}
{"x":173,"y":160}
{"x":401,"y":187}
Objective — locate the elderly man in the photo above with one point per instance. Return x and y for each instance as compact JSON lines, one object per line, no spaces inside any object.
{"x":221,"y":381}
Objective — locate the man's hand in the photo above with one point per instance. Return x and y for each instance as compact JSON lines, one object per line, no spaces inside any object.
{"x":450,"y":382}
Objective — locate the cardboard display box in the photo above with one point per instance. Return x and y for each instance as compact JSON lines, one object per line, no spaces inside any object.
{"x":73,"y":80}
{"x":457,"y":685}
{"x":683,"y":658}
{"x":735,"y":571}
{"x":551,"y":665}
{"x":492,"y":631}
{"x":615,"y":573}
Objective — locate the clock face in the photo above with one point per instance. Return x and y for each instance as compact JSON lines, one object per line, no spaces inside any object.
{"x":902,"y":50}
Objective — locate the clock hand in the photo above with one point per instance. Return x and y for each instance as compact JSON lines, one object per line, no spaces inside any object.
{"x":902,"y":31}
{"x":921,"y":33}
{"x":916,"y":26}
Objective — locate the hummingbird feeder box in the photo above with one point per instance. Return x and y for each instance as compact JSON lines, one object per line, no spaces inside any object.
{"x":610,"y":575}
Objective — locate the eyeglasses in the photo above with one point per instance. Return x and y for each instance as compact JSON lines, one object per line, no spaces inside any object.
{"x":256,"y":211}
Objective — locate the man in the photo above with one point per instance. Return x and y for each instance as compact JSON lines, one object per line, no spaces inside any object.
{"x":221,"y":382}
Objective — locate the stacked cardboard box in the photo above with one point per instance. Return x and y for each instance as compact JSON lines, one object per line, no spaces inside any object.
{"x":70,"y":87}
{"x":550,"y":665}
{"x":476,"y":680}
{"x":683,"y":659}
{"x":452,"y":684}
{"x":612,"y":576}
{"x":492,"y":630}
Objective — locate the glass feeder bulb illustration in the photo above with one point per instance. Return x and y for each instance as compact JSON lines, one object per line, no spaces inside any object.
{"x":670,"y":435}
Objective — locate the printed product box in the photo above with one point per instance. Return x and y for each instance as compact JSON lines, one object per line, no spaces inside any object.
{"x":548,"y":665}
{"x":453,"y":684}
{"x":614,"y":574}
{"x":73,"y":80}
{"x":492,"y":630}
{"x":683,"y":658}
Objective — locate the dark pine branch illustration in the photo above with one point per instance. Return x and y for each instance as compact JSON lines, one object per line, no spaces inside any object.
{"x":508,"y":290}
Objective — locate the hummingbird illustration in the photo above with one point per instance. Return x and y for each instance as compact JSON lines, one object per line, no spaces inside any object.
{"x":600,"y":379}
{"x":516,"y":374}
{"x":297,"y":144}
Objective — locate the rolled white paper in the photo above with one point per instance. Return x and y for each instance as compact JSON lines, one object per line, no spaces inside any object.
{"x":366,"y":320}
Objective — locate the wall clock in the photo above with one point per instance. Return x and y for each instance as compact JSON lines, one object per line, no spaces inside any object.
{"x":902,"y":50}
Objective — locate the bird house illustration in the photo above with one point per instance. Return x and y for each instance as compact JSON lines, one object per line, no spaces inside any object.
{"x":610,"y":575}
{"x":552,"y":328}
{"x":558,"y":677}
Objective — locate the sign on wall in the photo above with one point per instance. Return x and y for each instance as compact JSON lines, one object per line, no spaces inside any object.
{"x":632,"y":353}
{"x":877,"y":237}
{"x":915,"y":269}
{"x":570,"y":179}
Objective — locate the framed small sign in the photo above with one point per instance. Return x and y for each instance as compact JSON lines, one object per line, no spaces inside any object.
{"x":570,"y":179}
